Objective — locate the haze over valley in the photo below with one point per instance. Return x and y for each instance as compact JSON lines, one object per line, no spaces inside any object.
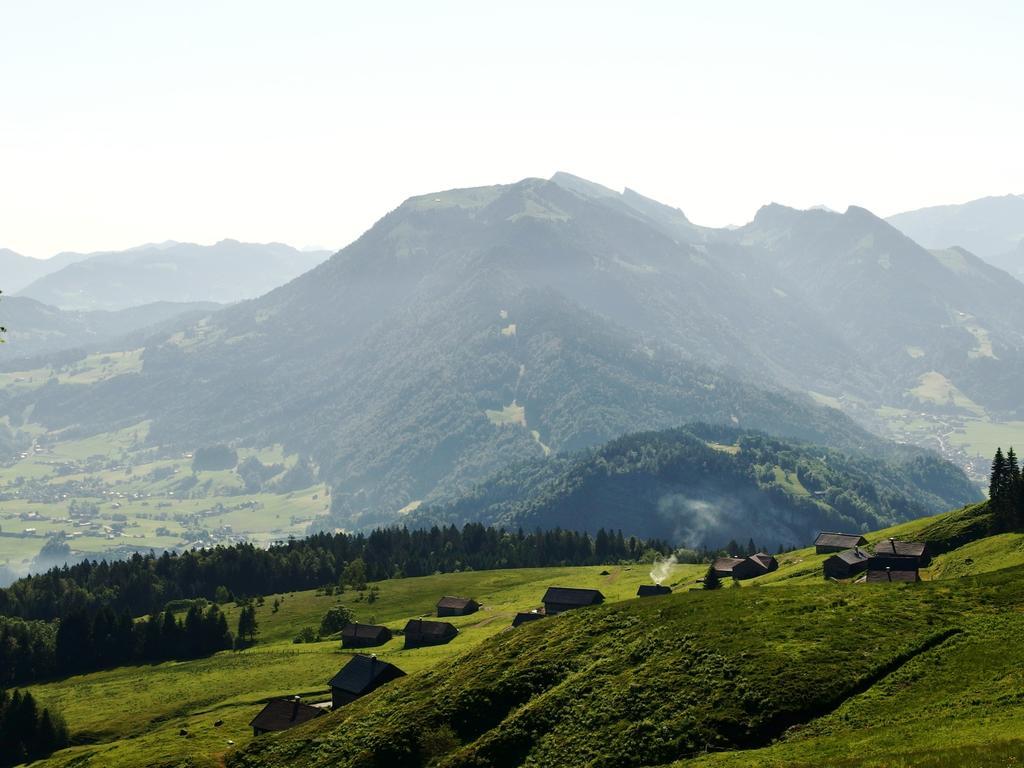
{"x":469,"y":330}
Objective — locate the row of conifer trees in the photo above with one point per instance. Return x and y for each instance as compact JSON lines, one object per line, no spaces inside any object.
{"x":1006,"y":491}
{"x":84,"y":641}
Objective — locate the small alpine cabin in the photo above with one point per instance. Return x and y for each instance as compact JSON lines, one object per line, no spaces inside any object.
{"x":421,"y":632}
{"x":560,"y":599}
{"x":457,"y":606}
{"x":364,"y":635}
{"x":846,"y":564}
{"x":282,"y":714}
{"x":653,"y":590}
{"x":359,"y":677}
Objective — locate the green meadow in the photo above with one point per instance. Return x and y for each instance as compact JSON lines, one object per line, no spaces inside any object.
{"x":133,"y":716}
{"x":788,"y":670}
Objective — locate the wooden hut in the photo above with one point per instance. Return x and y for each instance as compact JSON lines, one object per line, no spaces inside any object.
{"x":653,"y":590}
{"x":359,"y":677}
{"x":282,"y":714}
{"x":559,"y":599}
{"x":420,"y":632}
{"x":846,"y":564}
{"x":457,"y":606}
{"x":917,"y":550}
{"x":364,"y":635}
{"x":828,"y":541}
{"x":766,"y":561}
{"x":524,"y":616}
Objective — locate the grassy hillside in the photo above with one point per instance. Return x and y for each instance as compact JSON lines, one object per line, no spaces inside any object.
{"x":790,"y":670}
{"x":826,"y":669}
{"x":131,"y":716}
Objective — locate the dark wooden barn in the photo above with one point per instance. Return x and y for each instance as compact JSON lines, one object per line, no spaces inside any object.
{"x":364,"y":635}
{"x":457,"y":606}
{"x":359,"y":677}
{"x":420,"y":632}
{"x":889,"y":574}
{"x":524,"y":616}
{"x":845,"y":564}
{"x":559,"y":599}
{"x":828,"y":541}
{"x":282,"y":714}
{"x":723,"y":566}
{"x":917,"y":550}
{"x":653,"y":590}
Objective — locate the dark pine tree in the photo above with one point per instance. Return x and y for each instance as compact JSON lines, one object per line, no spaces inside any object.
{"x":711,"y":579}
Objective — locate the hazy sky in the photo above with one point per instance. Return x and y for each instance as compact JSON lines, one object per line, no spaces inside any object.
{"x":304,"y":122}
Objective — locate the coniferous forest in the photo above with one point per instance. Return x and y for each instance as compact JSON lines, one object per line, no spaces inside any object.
{"x":144,"y":584}
{"x":28,"y":732}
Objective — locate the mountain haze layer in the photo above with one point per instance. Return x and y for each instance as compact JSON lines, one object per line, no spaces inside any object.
{"x":472,"y":328}
{"x":225,"y":272}
{"x":991,"y":227}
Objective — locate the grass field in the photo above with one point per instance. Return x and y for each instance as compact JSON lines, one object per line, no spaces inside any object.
{"x":617,"y":691}
{"x":132,"y":716}
{"x":815,"y":675}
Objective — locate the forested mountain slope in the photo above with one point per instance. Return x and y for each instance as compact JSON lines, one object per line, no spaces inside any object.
{"x":704,"y":485}
{"x":472,"y":328}
{"x":35,"y":329}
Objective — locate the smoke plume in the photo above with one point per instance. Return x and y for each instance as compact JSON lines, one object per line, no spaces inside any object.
{"x":662,"y":568}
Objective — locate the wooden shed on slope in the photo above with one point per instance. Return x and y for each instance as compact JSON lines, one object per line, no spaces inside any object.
{"x":829,"y":541}
{"x":846,"y":564}
{"x":282,"y":714}
{"x":359,"y":677}
{"x":653,"y":590}
{"x":559,"y":599}
{"x":524,"y":616}
{"x":754,"y":566}
{"x":420,"y":632}
{"x":457,"y":606}
{"x":364,"y":635}
{"x":917,"y":550}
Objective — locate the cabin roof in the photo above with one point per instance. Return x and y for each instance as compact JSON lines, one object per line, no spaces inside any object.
{"x":281,"y":714}
{"x":426,"y":628}
{"x":363,"y":631}
{"x":763,"y":559}
{"x":896,"y":548}
{"x":362,"y":671}
{"x":844,"y":540}
{"x":572,"y":596}
{"x":852,"y":556}
{"x":727,"y":563}
{"x":457,"y":603}
{"x":646,"y":590}
{"x":524,"y":616}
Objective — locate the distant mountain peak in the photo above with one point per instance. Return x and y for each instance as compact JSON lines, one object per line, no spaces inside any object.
{"x":582,"y":186}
